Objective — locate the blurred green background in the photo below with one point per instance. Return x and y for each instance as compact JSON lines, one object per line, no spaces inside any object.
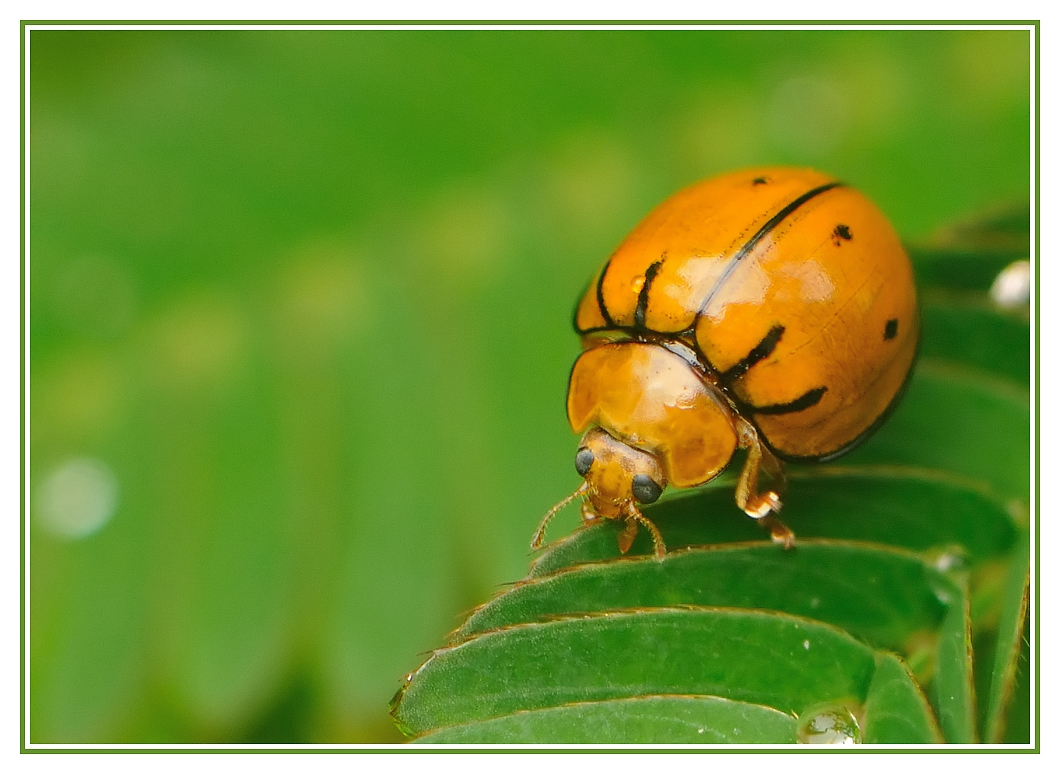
{"x":300,"y":322}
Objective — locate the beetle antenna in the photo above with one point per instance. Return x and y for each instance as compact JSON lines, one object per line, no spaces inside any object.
{"x":539,"y":536}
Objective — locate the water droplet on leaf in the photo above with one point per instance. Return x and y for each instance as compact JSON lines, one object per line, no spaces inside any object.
{"x":829,"y":725}
{"x":1012,"y":287}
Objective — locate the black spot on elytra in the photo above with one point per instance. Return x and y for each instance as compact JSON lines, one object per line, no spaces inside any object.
{"x":842,"y":231}
{"x":891,"y":329}
{"x":760,"y":181}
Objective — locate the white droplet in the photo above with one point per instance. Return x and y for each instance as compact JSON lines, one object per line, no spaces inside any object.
{"x":1012,"y":287}
{"x":78,"y":498}
{"x":829,"y":725}
{"x":946,"y":562}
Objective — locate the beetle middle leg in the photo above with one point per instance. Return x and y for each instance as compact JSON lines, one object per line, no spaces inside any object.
{"x":761,"y":506}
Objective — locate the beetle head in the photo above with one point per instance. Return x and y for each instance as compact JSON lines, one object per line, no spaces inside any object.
{"x":617,"y":478}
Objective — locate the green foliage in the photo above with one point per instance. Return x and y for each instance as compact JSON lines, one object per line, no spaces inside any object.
{"x":870,"y":616}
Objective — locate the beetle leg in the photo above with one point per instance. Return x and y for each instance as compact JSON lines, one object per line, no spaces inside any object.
{"x":626,"y":536}
{"x":761,"y":506}
{"x":633,"y":518}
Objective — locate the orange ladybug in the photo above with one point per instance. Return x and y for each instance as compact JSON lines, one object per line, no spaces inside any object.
{"x":771,"y":310}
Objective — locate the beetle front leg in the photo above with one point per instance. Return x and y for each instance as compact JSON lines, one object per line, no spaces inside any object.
{"x":762,"y":507}
{"x":633,"y":518}
{"x":627,"y":535}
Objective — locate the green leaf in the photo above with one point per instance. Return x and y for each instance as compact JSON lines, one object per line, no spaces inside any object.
{"x":880,"y":595}
{"x":895,"y":710}
{"x":772,"y":659}
{"x":1007,"y":648}
{"x":1018,"y":714}
{"x":952,"y":690}
{"x":891,"y":599}
{"x":968,"y":329}
{"x":639,"y":720}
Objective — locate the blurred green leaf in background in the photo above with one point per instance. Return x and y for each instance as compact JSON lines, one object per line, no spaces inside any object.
{"x":300,"y":330}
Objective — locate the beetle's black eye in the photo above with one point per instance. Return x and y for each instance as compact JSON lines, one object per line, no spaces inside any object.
{"x":583,"y":462}
{"x":644,"y":489}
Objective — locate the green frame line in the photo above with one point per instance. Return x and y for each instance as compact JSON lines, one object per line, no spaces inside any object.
{"x":798,"y":24}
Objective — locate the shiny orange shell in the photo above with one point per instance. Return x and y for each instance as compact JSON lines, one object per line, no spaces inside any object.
{"x":792,"y":290}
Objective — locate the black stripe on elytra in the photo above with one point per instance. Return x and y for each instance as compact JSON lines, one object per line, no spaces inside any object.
{"x":600,"y":294}
{"x":642,"y":299}
{"x":762,"y":350}
{"x":811,"y":398}
{"x":770,"y":224}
